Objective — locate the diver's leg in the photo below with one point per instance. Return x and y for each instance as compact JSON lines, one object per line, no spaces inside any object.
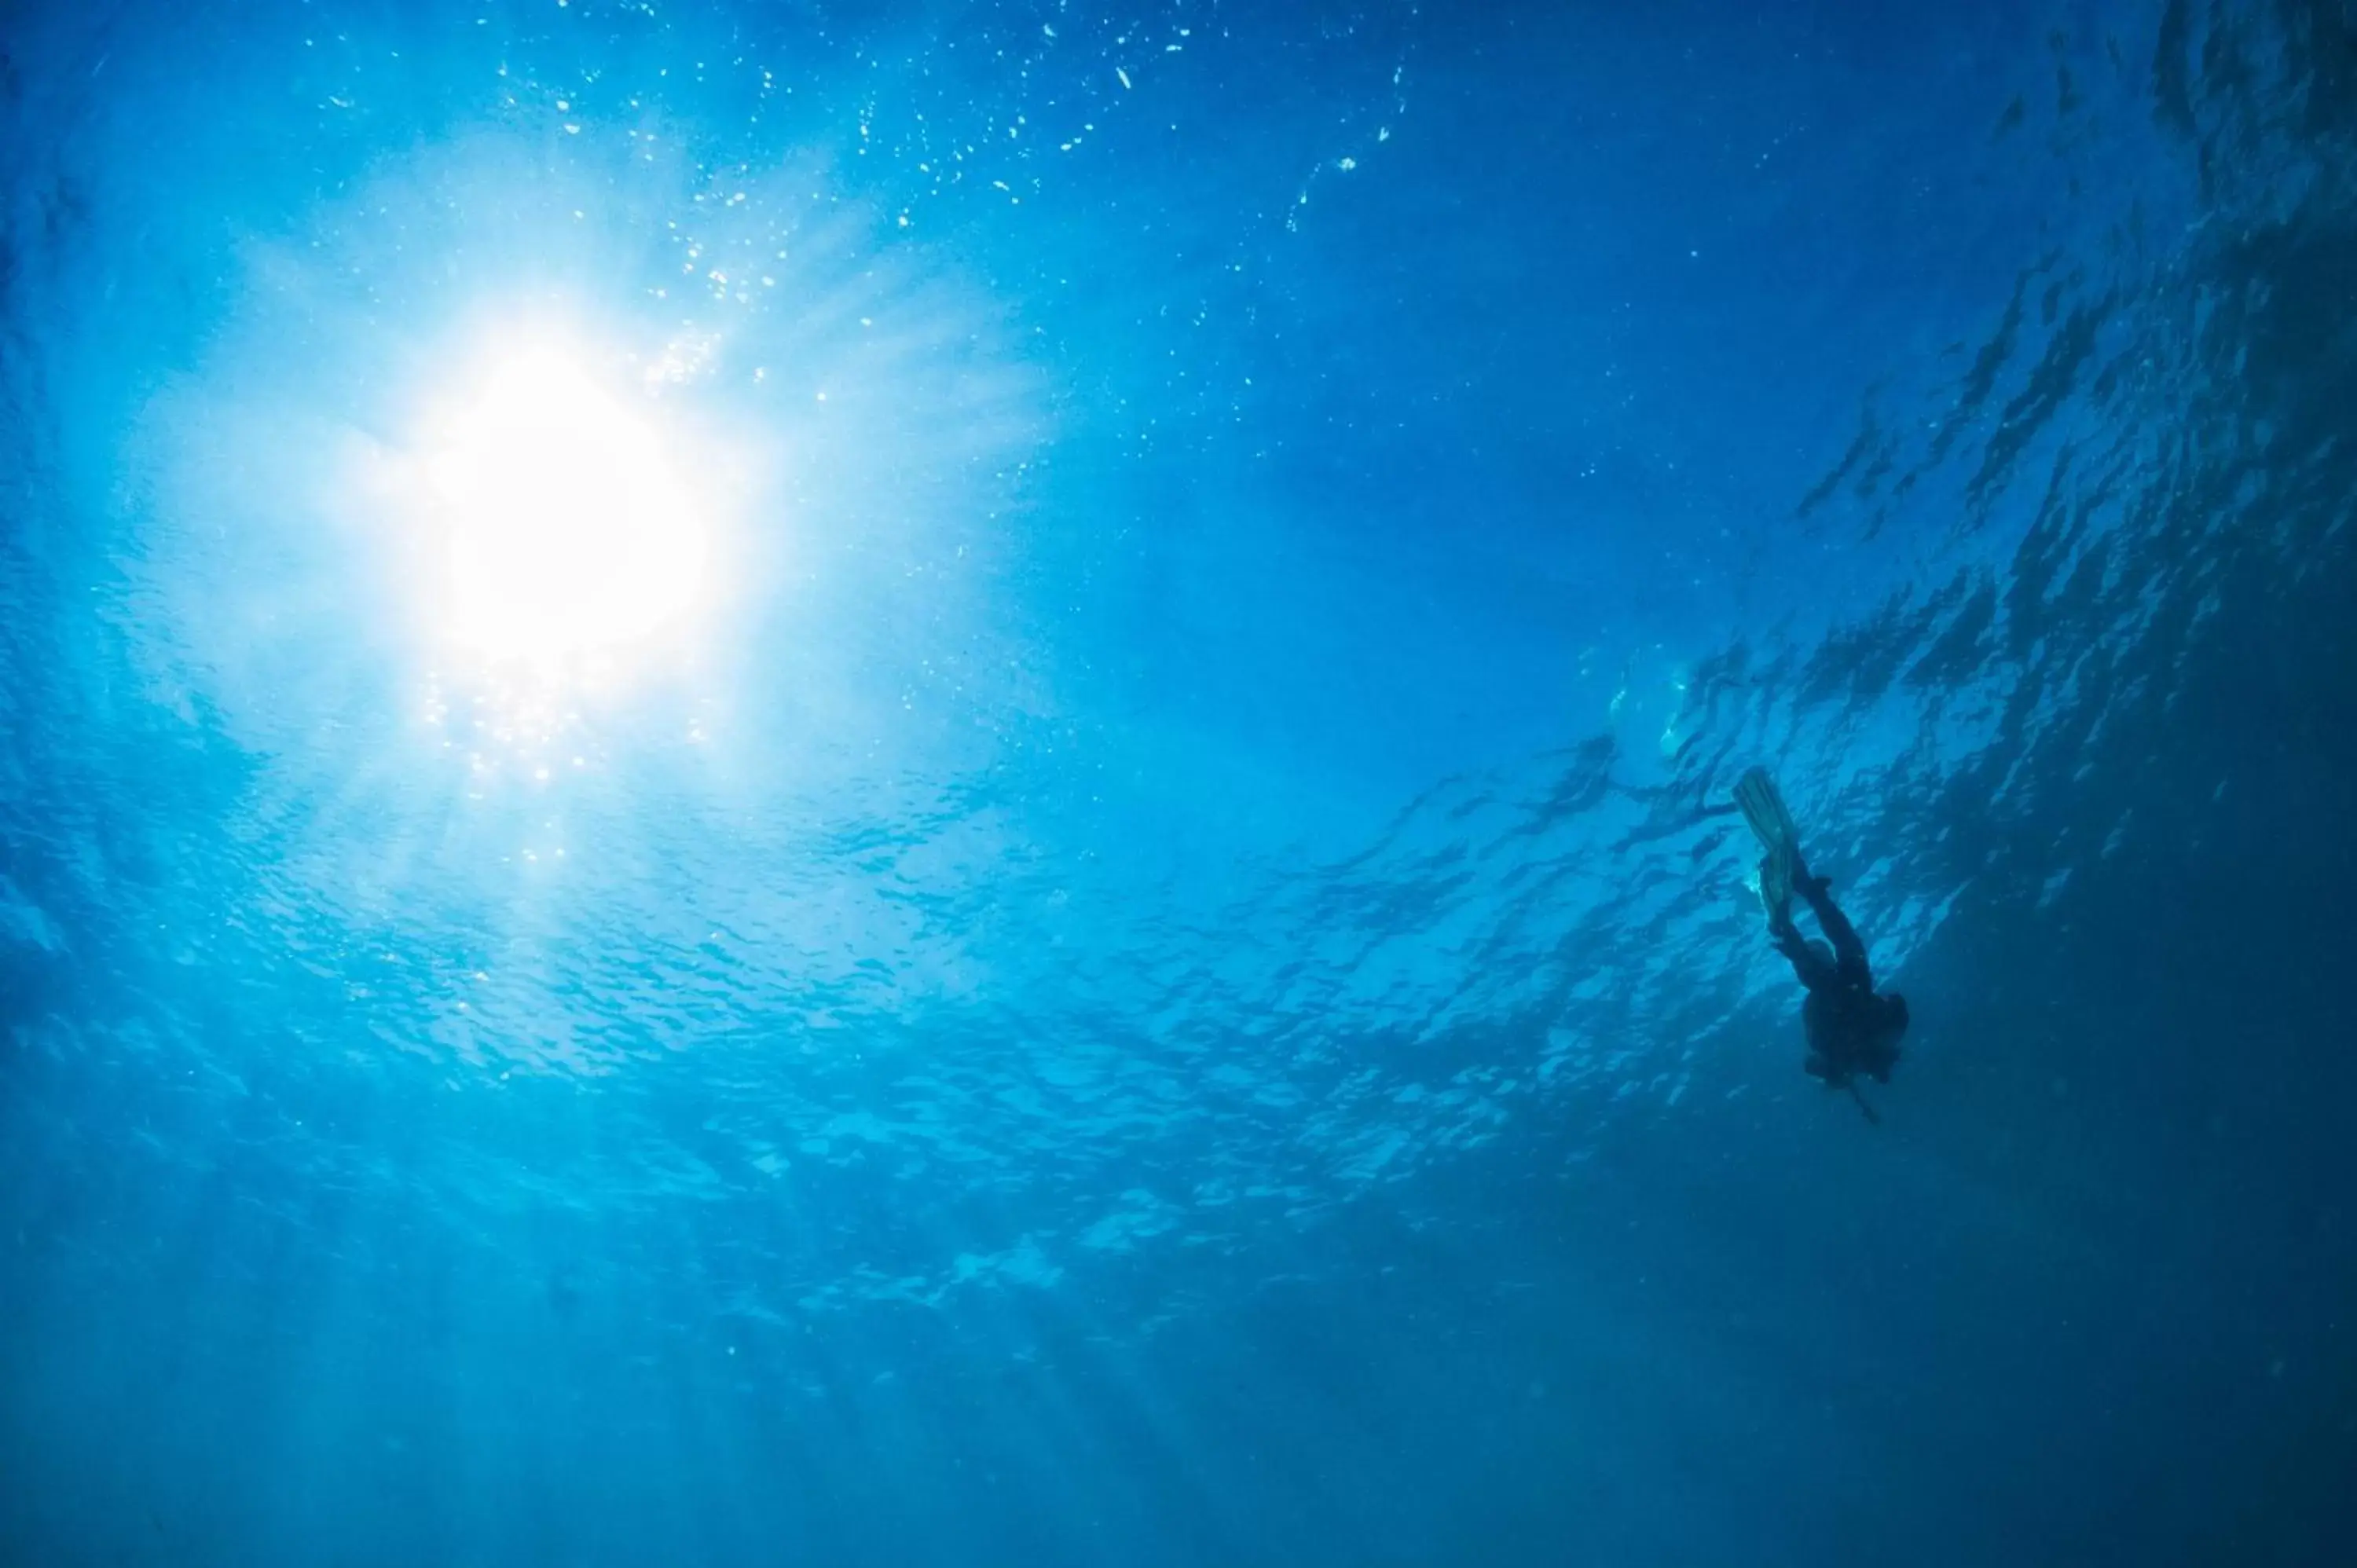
{"x":1849,"y":953}
{"x":1807,"y":962}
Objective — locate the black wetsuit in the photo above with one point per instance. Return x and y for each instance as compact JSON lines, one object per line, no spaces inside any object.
{"x":1851,"y":1029}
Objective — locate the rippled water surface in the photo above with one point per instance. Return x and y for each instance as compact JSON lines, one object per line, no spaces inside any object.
{"x":949,"y":784}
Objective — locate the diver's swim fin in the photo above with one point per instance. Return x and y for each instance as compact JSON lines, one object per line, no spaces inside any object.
{"x":1776,"y":880}
{"x":1763,"y":808}
{"x":1780,"y":840}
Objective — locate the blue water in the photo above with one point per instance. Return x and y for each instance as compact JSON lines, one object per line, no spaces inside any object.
{"x":1158,"y":971}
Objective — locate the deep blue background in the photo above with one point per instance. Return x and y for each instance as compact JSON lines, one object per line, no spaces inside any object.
{"x":1192,"y":999}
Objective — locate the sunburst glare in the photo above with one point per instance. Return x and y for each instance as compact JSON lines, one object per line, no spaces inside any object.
{"x":566,"y":529}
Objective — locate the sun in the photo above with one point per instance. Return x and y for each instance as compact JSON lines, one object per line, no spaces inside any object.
{"x":567,"y":528}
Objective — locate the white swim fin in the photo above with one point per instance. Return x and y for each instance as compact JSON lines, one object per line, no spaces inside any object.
{"x":1780,"y":840}
{"x":1763,"y":808}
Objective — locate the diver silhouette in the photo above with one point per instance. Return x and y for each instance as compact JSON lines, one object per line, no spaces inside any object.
{"x":1852,"y":1031}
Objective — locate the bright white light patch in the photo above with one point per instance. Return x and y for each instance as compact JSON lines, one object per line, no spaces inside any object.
{"x":569,"y":531}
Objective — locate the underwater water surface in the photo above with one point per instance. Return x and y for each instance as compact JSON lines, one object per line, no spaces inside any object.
{"x":951,"y":784}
